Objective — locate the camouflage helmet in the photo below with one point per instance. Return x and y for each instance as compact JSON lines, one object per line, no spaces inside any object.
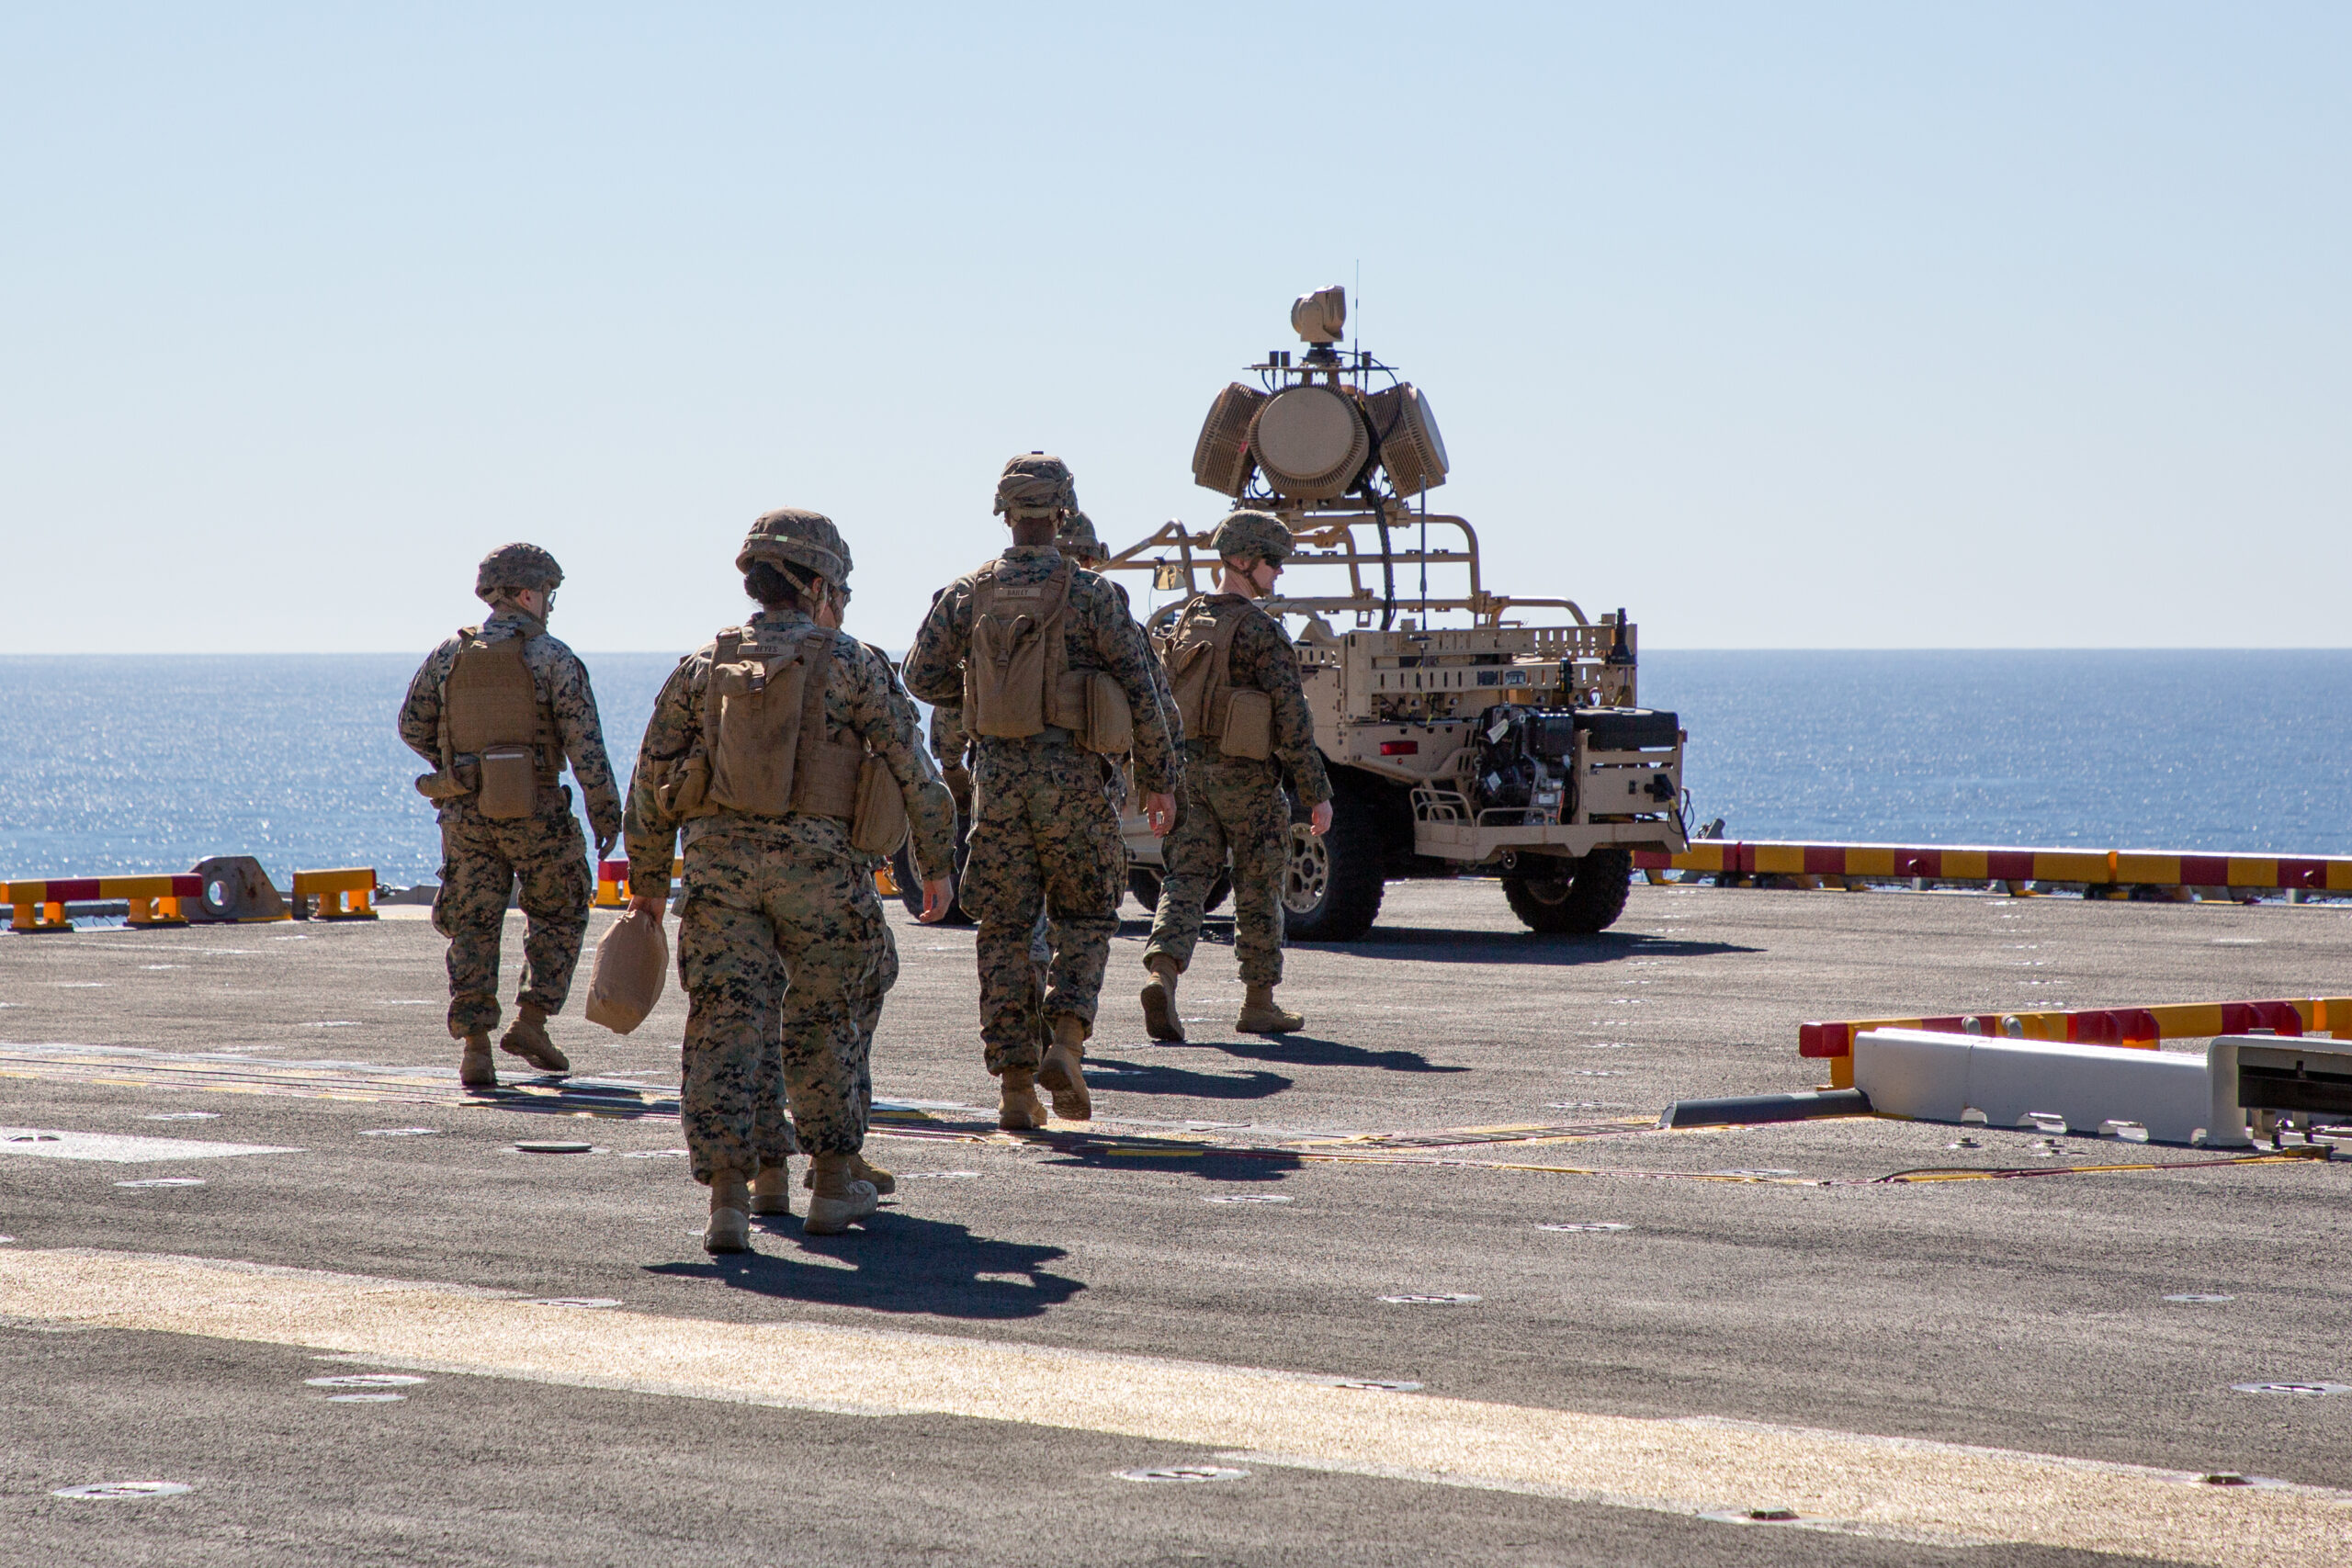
{"x":793,"y":536}
{"x":1249,"y":533}
{"x":516,"y":566}
{"x":1035,"y":482}
{"x":1077,"y":538}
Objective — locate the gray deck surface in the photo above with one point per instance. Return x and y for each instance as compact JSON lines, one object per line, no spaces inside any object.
{"x":2023,"y":1315}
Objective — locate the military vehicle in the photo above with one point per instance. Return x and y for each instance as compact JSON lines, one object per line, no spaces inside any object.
{"x":1461,"y":736}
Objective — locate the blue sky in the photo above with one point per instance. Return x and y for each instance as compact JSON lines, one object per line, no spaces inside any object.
{"x":1801,"y":325}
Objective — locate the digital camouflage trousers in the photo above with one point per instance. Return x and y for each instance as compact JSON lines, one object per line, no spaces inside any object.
{"x":1226,"y":805}
{"x":481,"y":861}
{"x":785,"y":959}
{"x":1044,"y":836}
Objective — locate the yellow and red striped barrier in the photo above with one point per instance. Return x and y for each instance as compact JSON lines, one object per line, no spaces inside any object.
{"x":1938,"y":862}
{"x":39,"y":902}
{"x":343,"y":894}
{"x":2136,"y":1027}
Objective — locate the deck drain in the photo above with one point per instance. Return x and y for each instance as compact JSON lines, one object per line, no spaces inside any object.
{"x":366,"y":1380}
{"x":1248,"y":1198}
{"x":1378,"y":1384}
{"x":1456,"y":1300}
{"x":2201,"y":1300}
{"x":123,"y":1491}
{"x":585,"y":1302}
{"x":165,"y":1181}
{"x":365,"y":1398}
{"x":1759,"y":1170}
{"x":399,"y":1132}
{"x":2306,"y":1389}
{"x":1587,"y":1226}
{"x":543,"y":1147}
{"x":34,"y":1138}
{"x":1185,"y":1473}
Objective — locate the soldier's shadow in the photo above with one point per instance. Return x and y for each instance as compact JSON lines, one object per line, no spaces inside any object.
{"x":1142,"y":1078}
{"x":896,"y":1262}
{"x":1308,"y":1051}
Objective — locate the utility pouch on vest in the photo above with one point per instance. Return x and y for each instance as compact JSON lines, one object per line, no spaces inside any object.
{"x":510,"y":783}
{"x":1249,"y":725}
{"x":751,"y":723}
{"x":879,"y":826}
{"x":1017,"y":657}
{"x":1110,"y":721}
{"x":679,"y":785}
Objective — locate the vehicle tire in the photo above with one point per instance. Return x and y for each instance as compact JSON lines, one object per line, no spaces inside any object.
{"x":902,"y":872}
{"x":1332,"y":885}
{"x":1587,"y":899}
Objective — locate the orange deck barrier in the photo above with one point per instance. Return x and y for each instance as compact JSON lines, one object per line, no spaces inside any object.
{"x":343,"y":894}
{"x":2134,"y":1028}
{"x":39,"y":903}
{"x":2093,"y":869}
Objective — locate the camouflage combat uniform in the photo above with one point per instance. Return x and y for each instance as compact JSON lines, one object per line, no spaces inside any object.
{"x":782,"y":945}
{"x":1043,"y":829}
{"x":481,"y":859}
{"x":1235,"y":803}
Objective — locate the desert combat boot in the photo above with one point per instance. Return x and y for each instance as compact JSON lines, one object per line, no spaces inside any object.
{"x":1061,"y":1073}
{"x":730,"y":1214}
{"x":1020,"y":1110}
{"x":771,"y":1190}
{"x":527,"y":1037}
{"x":476,"y":1069}
{"x":840,"y":1198}
{"x":881,"y":1181}
{"x":1260,"y":1016}
{"x":1159,"y":1020}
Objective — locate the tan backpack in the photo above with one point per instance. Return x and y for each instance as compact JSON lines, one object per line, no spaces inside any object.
{"x":493,"y":720}
{"x":765,"y":751}
{"x":1197,"y":654}
{"x":1017,"y":679}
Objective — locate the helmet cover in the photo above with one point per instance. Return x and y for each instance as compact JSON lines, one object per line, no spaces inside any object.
{"x":516,"y":566}
{"x":1035,"y":482}
{"x":793,"y":536}
{"x":1247,"y":534}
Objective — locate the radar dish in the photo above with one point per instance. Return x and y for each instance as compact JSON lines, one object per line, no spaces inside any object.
{"x":1221,"y":456}
{"x":1410,"y":448}
{"x":1311,"y":442}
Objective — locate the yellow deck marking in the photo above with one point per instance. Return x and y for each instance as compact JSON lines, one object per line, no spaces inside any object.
{"x":1903,"y":1488}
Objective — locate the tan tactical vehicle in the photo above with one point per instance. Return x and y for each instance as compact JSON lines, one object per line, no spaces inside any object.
{"x":1460,"y":737}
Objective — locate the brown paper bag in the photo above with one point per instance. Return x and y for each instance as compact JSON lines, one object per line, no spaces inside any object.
{"x":632,"y":963}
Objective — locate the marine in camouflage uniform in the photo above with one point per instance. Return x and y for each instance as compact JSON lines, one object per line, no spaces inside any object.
{"x":1043,"y":833}
{"x":1077,"y":543}
{"x":482,"y":858}
{"x":1235,"y":804}
{"x":782,"y":944}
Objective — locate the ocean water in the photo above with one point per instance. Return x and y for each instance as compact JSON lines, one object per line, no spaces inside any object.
{"x":137,"y":764}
